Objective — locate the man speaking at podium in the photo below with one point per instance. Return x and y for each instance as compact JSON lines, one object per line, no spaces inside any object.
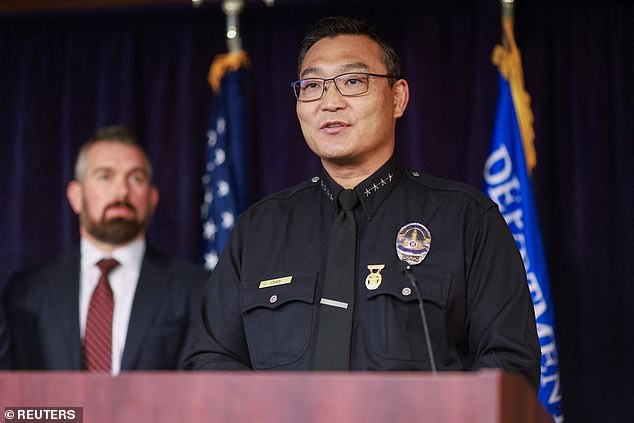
{"x":323,"y":276}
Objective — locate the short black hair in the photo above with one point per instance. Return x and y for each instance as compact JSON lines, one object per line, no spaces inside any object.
{"x":335,"y":26}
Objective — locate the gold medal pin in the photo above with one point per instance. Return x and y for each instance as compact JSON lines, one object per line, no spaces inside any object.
{"x":374,"y":278}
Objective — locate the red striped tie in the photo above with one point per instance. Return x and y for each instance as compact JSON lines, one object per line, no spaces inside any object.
{"x":98,"y":339}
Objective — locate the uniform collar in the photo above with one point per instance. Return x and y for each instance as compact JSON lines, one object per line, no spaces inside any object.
{"x":372,"y":191}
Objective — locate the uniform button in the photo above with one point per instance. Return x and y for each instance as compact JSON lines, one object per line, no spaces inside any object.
{"x":315,"y":179}
{"x":406,"y":291}
{"x":415,"y":174}
{"x":273,"y":299}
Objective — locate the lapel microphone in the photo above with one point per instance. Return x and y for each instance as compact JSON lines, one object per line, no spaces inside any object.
{"x":407,"y":271}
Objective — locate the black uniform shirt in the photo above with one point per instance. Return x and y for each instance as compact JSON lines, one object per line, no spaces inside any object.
{"x":472,"y":281}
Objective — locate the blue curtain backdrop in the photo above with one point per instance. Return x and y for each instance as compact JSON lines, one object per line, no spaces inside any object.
{"x":64,"y":74}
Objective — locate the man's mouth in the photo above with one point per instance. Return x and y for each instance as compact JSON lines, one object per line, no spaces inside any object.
{"x":120,"y":210}
{"x":333,"y":124}
{"x":333,"y":127}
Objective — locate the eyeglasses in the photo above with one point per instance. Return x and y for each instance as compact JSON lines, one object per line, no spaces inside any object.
{"x":348,"y":84}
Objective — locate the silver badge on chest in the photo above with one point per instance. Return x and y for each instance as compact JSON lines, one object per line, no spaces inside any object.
{"x":412,"y":243}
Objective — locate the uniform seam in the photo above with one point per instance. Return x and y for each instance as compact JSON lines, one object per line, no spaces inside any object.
{"x":287,"y":193}
{"x":458,"y":190}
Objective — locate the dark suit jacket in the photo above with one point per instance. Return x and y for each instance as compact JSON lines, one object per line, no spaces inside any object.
{"x":42,"y":308}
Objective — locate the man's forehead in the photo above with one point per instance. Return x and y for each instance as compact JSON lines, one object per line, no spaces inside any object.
{"x":341,"y":68}
{"x":112,"y":154}
{"x":343,"y":53}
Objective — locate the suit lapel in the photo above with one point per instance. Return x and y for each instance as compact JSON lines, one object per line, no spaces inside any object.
{"x":63,"y":289}
{"x":148,"y":300}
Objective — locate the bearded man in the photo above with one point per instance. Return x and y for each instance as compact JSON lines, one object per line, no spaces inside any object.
{"x":113,"y":303}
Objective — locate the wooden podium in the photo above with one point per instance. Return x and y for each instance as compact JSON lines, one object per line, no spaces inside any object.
{"x":482,"y":397}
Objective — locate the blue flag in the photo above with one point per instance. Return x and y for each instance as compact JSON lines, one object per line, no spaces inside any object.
{"x":507,"y":182}
{"x":224,"y":180}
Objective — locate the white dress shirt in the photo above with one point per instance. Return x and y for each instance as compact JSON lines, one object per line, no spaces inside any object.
{"x":123,"y":281}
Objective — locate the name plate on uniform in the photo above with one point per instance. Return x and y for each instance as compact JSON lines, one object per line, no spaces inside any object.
{"x":276,"y":282}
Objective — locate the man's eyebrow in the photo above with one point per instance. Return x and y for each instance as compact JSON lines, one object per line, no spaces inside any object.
{"x":139,"y":169}
{"x":107,"y":168}
{"x":342,"y":68}
{"x":104,"y":168}
{"x":313,"y":69}
{"x":354,"y":66}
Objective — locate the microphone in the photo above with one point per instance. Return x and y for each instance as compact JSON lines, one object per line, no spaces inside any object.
{"x":407,"y":271}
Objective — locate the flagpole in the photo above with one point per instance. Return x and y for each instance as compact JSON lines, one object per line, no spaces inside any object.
{"x":235,"y":58}
{"x":507,"y":13}
{"x":232,"y":9}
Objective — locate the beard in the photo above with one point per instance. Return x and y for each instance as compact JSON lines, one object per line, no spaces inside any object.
{"x":116,"y":231}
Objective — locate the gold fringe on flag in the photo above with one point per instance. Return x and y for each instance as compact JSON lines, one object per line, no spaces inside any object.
{"x":509,"y":63}
{"x":223,"y":63}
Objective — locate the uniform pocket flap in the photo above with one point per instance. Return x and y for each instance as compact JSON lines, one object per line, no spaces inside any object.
{"x":272,"y":293}
{"x":433,"y":287}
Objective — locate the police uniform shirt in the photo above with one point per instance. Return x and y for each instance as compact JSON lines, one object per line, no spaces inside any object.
{"x":261,"y":306}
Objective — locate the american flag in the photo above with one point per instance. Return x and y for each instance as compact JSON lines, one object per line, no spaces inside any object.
{"x":224,"y":178}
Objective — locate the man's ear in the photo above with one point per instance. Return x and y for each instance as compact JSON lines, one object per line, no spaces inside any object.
{"x":154,"y":198}
{"x":74,"y":195}
{"x":401,"y":97}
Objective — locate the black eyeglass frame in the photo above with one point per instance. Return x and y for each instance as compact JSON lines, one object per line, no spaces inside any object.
{"x":294,"y":84}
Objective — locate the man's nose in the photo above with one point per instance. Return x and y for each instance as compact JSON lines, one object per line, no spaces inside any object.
{"x":334,"y":100}
{"x":122,"y":188}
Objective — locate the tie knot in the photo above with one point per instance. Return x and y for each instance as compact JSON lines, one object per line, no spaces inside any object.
{"x":106,"y":265}
{"x":348,"y":199}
